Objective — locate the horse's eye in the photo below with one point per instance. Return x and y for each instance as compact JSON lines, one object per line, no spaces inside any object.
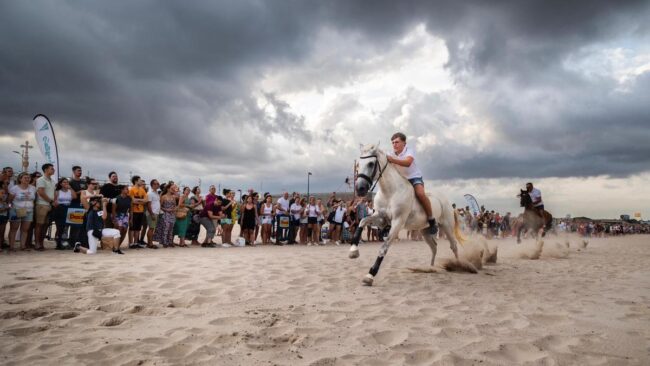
{"x":371,"y":164}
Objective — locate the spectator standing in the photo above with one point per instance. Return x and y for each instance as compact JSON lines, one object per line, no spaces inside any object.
{"x":267,"y":211}
{"x":138,"y":201}
{"x":338,"y":219}
{"x":153,"y":211}
{"x":304,"y":221}
{"x":110,"y":190}
{"x":63,"y":196}
{"x":4,"y":212}
{"x":369,"y":211}
{"x":282,"y":212}
{"x":121,"y":212}
{"x":196,"y":206}
{"x":21,"y":214}
{"x":321,"y":219}
{"x":182,"y":223}
{"x":249,"y":220}
{"x":45,"y":187}
{"x":227,"y":203}
{"x":296,"y":211}
{"x":8,"y":177}
{"x":313,"y":229}
{"x":78,"y":185}
{"x":164,"y":233}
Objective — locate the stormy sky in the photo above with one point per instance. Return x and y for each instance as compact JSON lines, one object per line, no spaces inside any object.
{"x":258,"y":93}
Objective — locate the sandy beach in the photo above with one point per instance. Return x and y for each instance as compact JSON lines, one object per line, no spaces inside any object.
{"x":306,"y":306}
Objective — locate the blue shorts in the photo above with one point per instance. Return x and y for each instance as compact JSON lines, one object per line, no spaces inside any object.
{"x":415,"y":181}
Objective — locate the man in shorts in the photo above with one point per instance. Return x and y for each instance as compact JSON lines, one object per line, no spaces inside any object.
{"x":403,"y":158}
{"x":138,"y":201}
{"x":153,"y":211}
{"x":45,"y":187}
{"x":110,"y":190}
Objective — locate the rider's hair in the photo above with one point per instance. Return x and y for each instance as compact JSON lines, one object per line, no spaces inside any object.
{"x":399,"y":135}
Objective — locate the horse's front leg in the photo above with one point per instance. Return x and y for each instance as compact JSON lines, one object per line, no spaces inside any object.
{"x":376,"y":219}
{"x":396,"y":226}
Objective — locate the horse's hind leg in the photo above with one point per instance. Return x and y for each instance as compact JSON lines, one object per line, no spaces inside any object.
{"x":431,"y":241}
{"x":448,"y":230}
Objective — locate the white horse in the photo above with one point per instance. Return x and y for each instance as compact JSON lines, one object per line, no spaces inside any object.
{"x":397,"y":207}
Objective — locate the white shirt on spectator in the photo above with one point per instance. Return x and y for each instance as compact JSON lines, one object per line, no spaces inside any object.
{"x":284,"y":205}
{"x":338,"y":216}
{"x":154,"y":198}
{"x":49,"y":186}
{"x":314,"y":211}
{"x":296,"y":211}
{"x":23,"y":198}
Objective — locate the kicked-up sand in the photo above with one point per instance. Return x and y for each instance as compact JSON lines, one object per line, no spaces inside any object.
{"x":299,"y":305}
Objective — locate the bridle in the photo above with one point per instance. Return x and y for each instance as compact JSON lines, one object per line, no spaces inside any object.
{"x":370,"y":178}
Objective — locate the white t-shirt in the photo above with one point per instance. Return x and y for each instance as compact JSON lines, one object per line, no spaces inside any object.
{"x":23,"y":198}
{"x":284,"y":205}
{"x":314,"y":211}
{"x":296,"y":211}
{"x":154,"y":198}
{"x":535,"y":194}
{"x":407,"y":172}
{"x":338,"y":216}
{"x":49,"y":186}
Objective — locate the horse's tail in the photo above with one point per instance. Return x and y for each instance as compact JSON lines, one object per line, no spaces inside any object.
{"x":457,"y":233}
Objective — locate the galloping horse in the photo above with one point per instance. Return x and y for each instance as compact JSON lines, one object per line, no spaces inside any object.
{"x":531,"y":219}
{"x":397,"y":208}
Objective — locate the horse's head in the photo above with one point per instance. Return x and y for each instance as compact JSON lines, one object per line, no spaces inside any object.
{"x":524,"y":199}
{"x":368,"y":168}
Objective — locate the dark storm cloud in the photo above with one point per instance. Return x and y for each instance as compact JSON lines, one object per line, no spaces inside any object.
{"x":143,"y":73}
{"x":177,"y":78}
{"x":503,"y":52}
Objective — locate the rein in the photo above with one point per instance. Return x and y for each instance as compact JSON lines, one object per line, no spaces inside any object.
{"x":369,"y":179}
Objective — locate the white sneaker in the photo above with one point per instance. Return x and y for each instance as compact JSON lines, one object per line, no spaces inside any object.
{"x":226,"y":245}
{"x":338,"y":242}
{"x":308,"y":244}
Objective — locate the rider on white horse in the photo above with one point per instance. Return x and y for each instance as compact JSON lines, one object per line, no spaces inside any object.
{"x":403,"y":157}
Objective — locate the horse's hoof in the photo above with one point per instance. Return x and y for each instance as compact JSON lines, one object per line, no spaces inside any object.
{"x":354,"y":252}
{"x":367,"y":281}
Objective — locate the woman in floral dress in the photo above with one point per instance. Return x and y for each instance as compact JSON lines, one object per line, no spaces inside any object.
{"x":164,"y":233}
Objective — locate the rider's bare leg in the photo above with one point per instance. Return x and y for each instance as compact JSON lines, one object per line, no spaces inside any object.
{"x":426,"y":204}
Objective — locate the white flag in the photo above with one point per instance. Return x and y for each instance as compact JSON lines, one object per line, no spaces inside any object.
{"x":46,"y":141}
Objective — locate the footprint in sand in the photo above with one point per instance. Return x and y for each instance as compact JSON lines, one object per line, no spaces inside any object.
{"x":112,"y":322}
{"x":420,"y":357}
{"x":387,"y":338}
{"x":517,"y":353}
{"x":25,"y":314}
{"x":26,"y":331}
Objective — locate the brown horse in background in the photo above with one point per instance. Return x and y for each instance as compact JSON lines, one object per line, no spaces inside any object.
{"x":531,"y":219}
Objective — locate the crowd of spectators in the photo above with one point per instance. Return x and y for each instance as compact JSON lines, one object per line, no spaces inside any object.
{"x":600,"y":229}
{"x":166,"y":215}
{"x":35,"y":206}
